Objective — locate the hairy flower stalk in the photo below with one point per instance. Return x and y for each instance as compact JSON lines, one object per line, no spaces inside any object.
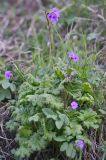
{"x":53,"y":17}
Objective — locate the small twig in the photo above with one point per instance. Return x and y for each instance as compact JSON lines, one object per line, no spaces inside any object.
{"x":5,"y":153}
{"x":2,"y":153}
{"x":100,"y":51}
{"x":85,"y":19}
{"x":31,"y":28}
{"x":10,"y":143}
{"x":5,"y":138}
{"x":1,"y":126}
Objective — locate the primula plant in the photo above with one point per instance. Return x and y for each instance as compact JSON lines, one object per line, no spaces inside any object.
{"x":58,"y":108}
{"x":7,"y":86}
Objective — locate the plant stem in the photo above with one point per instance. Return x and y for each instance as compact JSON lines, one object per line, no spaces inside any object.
{"x":50,"y":38}
{"x":80,"y":156}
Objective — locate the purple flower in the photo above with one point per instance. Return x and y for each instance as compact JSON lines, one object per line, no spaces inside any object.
{"x":73,"y":56}
{"x":56,"y":11}
{"x":74,"y":105}
{"x":72,"y":73}
{"x":48,"y":43}
{"x":80,"y":144}
{"x":54,"y":15}
{"x":66,"y":75}
{"x":8,"y":74}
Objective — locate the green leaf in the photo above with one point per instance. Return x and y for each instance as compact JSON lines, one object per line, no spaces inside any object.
{"x":63,"y":117}
{"x":75,"y":128}
{"x":49,"y":135}
{"x":49,"y":113}
{"x":59,"y":123}
{"x":70,"y":152}
{"x":12,"y":87}
{"x":24,"y":131}
{"x":34,"y":118}
{"x":100,"y":96}
{"x":37,"y":142}
{"x":64,"y":147}
{"x":50,"y":125}
{"x":4,"y":93}
{"x":67,"y":131}
{"x":5,"y":83}
{"x":102,"y":111}
{"x":89,"y":118}
{"x":59,"y":73}
{"x":31,"y":80}
{"x":60,"y":138}
{"x":74,"y":88}
{"x":87,"y":87}
{"x":87,"y":98}
{"x":22,"y":152}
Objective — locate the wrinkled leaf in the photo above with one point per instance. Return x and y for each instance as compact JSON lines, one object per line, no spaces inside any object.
{"x":59,"y":123}
{"x":60,"y":138}
{"x":87,"y":87}
{"x":70,"y":152}
{"x":49,"y":113}
{"x":64,"y":146}
{"x":34,"y":118}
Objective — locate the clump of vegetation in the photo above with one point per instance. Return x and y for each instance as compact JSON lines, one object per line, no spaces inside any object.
{"x":61,"y":103}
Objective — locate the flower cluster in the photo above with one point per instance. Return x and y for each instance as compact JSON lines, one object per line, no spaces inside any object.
{"x":54,"y":15}
{"x":72,"y":75}
{"x":8,"y":74}
{"x":73,"y":56}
